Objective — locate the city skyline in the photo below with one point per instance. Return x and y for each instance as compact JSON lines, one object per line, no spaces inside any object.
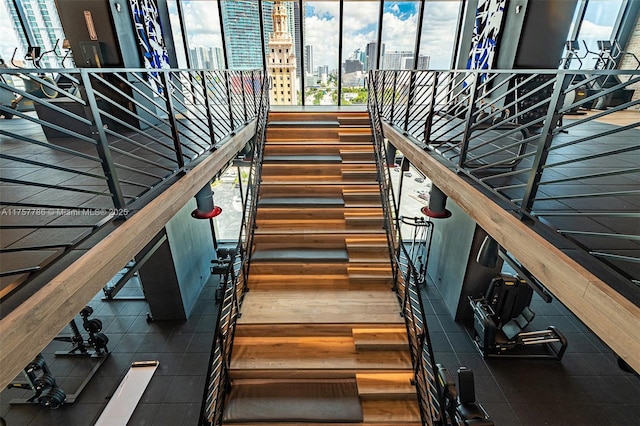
{"x":359,"y":27}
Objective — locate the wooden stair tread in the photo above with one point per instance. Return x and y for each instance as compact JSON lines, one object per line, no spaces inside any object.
{"x":396,"y":410}
{"x":304,"y":123}
{"x":380,"y":339}
{"x":319,"y":202}
{"x":307,"y":254}
{"x":387,"y":385}
{"x":292,"y":306}
{"x":308,"y":158}
{"x":312,"y":353}
{"x":303,"y":329}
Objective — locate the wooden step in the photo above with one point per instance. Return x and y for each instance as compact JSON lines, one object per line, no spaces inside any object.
{"x":320,"y":306}
{"x":357,"y":155}
{"x":311,"y":115}
{"x":358,"y":136}
{"x":362,"y":120}
{"x":308,"y":133}
{"x":318,"y":213}
{"x":373,"y":249}
{"x":359,"y":174}
{"x":303,"y":329}
{"x":303,"y":123}
{"x":283,"y":357}
{"x":325,"y":148}
{"x":368,"y":272}
{"x":375,"y":339}
{"x":400,"y":410}
{"x":315,"y":282}
{"x":364,"y":217}
{"x":386,"y":386}
{"x":312,"y":226}
{"x":400,"y":423}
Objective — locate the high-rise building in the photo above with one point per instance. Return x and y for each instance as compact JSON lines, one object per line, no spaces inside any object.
{"x":297,"y":28}
{"x":372,"y":55}
{"x":242,"y":33}
{"x":308,"y":60}
{"x":281,"y":60}
{"x":41,"y":18}
{"x":423,"y":62}
{"x":352,"y":65}
{"x":397,"y":60}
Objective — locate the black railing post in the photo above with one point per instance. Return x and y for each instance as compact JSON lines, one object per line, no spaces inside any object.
{"x":207,"y":104}
{"x":546,"y":137}
{"x":102,"y":146}
{"x":253,"y":90}
{"x":393,"y":96}
{"x":244,"y":97}
{"x":229,"y":101}
{"x":468,"y":126}
{"x":432,"y":109}
{"x":410,"y":98}
{"x":175,"y":134}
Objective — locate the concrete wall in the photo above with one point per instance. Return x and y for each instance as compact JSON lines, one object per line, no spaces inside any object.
{"x":627,"y":62}
{"x":452,"y":266}
{"x":192,"y":250}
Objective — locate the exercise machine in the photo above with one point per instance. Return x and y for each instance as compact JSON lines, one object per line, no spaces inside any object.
{"x":500,"y":320}
{"x":460,"y":404}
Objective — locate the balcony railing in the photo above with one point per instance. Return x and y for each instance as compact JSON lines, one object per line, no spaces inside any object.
{"x":559,"y":148}
{"x":83,"y":147}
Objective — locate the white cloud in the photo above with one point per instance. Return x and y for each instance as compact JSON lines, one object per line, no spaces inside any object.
{"x":9,"y":41}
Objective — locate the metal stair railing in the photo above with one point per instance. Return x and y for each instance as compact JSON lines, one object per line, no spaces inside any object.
{"x":406,"y":281}
{"x":235,"y":280}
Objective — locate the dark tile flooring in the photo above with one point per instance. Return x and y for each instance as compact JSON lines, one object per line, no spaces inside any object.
{"x":174,"y":395}
{"x":586,"y":388}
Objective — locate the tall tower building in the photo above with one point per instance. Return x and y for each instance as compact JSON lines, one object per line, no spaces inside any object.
{"x":308,"y":60}
{"x":281,"y":60}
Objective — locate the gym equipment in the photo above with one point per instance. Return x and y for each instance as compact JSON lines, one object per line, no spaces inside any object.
{"x":96,"y":340}
{"x":420,"y":245}
{"x":500,"y":318}
{"x":126,"y":397}
{"x":460,"y":403}
{"x":40,"y":380}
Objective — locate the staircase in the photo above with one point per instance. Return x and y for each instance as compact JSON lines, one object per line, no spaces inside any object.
{"x":320,"y":339}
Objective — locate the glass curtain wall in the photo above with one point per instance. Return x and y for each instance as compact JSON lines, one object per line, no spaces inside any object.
{"x":359,"y":41}
{"x":399,"y":29}
{"x":438,"y":38}
{"x":204,"y":37}
{"x":321,"y":38}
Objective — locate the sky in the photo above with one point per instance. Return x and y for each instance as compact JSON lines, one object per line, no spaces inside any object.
{"x":360,"y":27}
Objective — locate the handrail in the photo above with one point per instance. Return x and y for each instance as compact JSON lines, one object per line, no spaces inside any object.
{"x":406,"y":282}
{"x":520,"y":135}
{"x":111,"y":139}
{"x":235,"y":281}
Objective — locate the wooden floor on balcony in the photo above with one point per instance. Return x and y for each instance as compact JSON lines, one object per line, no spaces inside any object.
{"x":320,"y":319}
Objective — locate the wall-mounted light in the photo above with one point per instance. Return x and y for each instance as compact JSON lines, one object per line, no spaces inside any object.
{"x":488,"y":253}
{"x":118,"y":7}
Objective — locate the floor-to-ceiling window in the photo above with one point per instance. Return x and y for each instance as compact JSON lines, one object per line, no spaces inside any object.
{"x":321,"y":38}
{"x":42,"y":28}
{"x":399,"y":27}
{"x":204,"y":39}
{"x":594,"y":21}
{"x":438,"y":38}
{"x":359,"y":41}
